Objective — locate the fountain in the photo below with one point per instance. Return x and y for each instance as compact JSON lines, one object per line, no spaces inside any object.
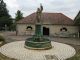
{"x":35,"y":46}
{"x":38,"y":41}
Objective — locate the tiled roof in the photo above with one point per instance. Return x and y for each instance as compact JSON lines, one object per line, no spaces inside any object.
{"x":55,"y":18}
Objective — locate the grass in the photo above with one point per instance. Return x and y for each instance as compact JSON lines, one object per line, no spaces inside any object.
{"x":76,"y":56}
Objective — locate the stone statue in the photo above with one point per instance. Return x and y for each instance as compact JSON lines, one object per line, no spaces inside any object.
{"x":38,"y":16}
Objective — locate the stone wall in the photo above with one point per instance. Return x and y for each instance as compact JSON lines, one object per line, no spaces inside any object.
{"x":22,"y":29}
{"x":54,"y":30}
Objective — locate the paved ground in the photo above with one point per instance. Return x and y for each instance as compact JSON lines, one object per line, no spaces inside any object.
{"x":59,"y":51}
{"x":11,"y":36}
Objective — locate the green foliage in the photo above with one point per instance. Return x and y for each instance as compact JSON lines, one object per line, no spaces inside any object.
{"x":5,"y":18}
{"x":1,"y":37}
{"x":3,"y":9}
{"x":12,"y":27}
{"x":19,"y":15}
{"x":78,"y":51}
{"x":77,"y":21}
{"x":75,"y":57}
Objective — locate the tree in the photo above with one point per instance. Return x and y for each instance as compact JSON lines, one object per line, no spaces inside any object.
{"x":5,"y":18}
{"x":19,"y":15}
{"x":3,"y":9}
{"x":12,"y":27}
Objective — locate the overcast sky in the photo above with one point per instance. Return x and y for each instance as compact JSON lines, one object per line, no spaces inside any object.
{"x":69,"y":8}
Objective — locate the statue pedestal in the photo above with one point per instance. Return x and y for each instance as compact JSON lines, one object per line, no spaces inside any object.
{"x":38,"y":33}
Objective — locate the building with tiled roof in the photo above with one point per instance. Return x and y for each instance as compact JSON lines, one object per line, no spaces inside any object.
{"x":77,"y":16}
{"x":54,"y":18}
{"x":53,"y":24}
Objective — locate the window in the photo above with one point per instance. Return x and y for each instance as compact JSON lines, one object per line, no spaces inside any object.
{"x":63,"y":29}
{"x":29,"y":27}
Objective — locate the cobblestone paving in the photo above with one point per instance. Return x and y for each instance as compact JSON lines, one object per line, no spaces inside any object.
{"x":16,"y":50}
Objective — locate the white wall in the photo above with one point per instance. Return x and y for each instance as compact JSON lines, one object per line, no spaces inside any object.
{"x":23,"y":31}
{"x":54,"y":30}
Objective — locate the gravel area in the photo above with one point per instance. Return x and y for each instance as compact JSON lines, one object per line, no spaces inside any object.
{"x":11,"y":36}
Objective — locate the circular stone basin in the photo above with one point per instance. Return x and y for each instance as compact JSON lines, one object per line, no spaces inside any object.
{"x":45,"y":44}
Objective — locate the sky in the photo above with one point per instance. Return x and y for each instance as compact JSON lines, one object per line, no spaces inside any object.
{"x":70,"y":8}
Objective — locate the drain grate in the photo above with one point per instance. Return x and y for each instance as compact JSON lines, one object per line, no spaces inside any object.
{"x":51,"y":57}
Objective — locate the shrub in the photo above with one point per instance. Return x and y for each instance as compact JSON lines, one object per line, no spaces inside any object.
{"x":2,"y":39}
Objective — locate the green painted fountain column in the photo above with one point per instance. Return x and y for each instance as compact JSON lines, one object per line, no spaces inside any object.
{"x":38,"y":32}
